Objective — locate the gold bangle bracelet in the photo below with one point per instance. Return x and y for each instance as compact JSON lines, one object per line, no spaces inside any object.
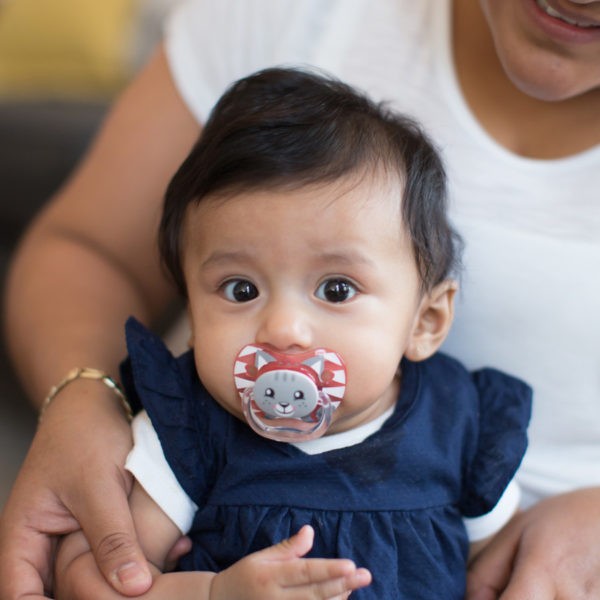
{"x":87,"y":373}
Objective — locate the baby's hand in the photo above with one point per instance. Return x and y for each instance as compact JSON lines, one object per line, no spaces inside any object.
{"x":280,"y":573}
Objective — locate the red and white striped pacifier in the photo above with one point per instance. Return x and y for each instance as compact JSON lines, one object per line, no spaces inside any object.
{"x":289,"y":397}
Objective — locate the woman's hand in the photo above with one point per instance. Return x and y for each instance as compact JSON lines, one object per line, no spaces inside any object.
{"x":280,"y":572}
{"x":549,"y":552}
{"x":73,"y":475}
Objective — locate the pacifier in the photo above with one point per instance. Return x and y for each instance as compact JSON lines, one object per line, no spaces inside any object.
{"x":289,"y":397}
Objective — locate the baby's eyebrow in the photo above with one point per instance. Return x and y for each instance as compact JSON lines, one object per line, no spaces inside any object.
{"x":219,"y":257}
{"x":347,"y":257}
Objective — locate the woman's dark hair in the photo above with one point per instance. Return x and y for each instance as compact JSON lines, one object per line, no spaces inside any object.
{"x":289,"y":127}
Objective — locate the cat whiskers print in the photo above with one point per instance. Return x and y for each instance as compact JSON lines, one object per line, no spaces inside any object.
{"x":289,"y":397}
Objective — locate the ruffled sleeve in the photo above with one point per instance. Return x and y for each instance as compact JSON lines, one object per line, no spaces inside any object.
{"x":504,"y":413}
{"x":181,"y":411}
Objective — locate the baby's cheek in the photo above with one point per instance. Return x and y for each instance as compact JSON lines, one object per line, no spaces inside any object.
{"x":367,"y":385}
{"x":217,"y":379}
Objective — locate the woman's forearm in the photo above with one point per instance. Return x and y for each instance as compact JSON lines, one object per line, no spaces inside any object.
{"x":65,"y":307}
{"x":90,"y":259}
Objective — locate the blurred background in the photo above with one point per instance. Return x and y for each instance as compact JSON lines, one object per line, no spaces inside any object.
{"x":61,"y":64}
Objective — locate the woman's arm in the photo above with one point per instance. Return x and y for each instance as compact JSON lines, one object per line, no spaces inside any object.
{"x":87,"y":262}
{"x":90,"y":258}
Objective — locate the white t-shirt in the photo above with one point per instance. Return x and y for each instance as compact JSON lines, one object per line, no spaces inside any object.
{"x":530,"y":289}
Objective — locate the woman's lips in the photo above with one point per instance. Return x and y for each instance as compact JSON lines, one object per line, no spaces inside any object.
{"x":563,"y":25}
{"x":566,"y":15}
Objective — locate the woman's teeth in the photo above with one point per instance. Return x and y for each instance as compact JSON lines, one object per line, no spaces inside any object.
{"x":543,"y":4}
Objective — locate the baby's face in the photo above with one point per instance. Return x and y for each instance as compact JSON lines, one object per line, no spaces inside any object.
{"x":327,"y":265}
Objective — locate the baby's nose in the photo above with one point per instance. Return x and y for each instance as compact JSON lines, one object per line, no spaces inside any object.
{"x":285,"y":326}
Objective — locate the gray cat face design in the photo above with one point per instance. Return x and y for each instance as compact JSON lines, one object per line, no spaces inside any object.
{"x":284,"y":393}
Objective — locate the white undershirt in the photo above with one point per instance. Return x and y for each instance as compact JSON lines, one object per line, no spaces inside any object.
{"x":148,"y":465}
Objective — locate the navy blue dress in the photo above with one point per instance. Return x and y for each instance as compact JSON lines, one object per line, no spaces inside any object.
{"x":393,"y":503}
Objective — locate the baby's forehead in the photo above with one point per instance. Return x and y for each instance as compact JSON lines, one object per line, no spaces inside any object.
{"x":327,"y":218}
{"x":368,"y":184}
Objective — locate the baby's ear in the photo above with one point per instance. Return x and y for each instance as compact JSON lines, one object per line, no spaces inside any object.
{"x":433,"y":321}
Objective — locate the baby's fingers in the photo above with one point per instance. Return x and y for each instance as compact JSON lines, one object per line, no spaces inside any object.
{"x":324,"y":579}
{"x":318,"y":578}
{"x":340,"y":589}
{"x":306,"y":571}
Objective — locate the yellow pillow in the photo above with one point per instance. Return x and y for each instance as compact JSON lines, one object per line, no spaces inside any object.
{"x":65,"y":47}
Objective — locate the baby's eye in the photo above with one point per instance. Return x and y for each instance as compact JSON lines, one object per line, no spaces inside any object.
{"x":239,"y":290}
{"x":336,"y":290}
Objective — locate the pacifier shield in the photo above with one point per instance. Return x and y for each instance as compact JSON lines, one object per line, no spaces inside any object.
{"x":289,"y":397}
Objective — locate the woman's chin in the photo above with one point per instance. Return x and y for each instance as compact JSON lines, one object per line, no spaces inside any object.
{"x":550,"y":78}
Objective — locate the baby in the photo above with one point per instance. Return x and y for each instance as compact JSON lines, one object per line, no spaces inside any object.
{"x":313,"y":426}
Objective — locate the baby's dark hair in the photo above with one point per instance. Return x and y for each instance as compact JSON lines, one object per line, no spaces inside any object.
{"x":285,"y":127}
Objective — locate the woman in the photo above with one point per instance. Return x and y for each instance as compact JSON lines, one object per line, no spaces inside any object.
{"x":511,"y":91}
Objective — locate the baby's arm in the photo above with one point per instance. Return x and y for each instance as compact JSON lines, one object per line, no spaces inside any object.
{"x":276,"y":572}
{"x":78,"y":578}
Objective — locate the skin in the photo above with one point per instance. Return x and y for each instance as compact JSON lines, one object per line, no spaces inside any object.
{"x":61,"y":295}
{"x":89,"y":261}
{"x":540,"y":97}
{"x":269,"y":241}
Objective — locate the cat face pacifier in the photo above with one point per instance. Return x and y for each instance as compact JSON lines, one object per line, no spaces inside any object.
{"x":289,"y":397}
